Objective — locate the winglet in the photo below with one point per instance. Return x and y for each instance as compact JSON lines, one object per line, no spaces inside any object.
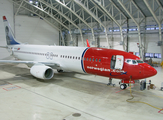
{"x":88,"y":43}
{"x":4,"y":18}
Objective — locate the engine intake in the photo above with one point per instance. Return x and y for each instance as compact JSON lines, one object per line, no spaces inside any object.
{"x":42,"y":72}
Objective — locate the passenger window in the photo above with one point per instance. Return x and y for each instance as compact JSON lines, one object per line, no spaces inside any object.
{"x":90,"y":59}
{"x":87,"y":59}
{"x":93,"y":59}
{"x":99,"y":60}
{"x":78,"y":58}
{"x":96,"y":60}
{"x":70,"y":57}
{"x":84,"y":58}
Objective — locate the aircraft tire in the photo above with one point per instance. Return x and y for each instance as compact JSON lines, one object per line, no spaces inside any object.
{"x":123,"y":86}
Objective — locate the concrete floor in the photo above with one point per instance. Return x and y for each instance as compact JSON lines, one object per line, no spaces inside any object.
{"x":72,"y":96}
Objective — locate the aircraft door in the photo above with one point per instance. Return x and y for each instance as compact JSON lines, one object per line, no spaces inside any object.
{"x":119,"y":62}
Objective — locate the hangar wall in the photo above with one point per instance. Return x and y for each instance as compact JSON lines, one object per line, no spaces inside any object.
{"x":151,"y":38}
{"x":31,"y":30}
{"x":34,"y":30}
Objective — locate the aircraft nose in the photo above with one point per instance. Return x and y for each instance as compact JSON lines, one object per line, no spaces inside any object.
{"x":154,"y":71}
{"x":149,"y":71}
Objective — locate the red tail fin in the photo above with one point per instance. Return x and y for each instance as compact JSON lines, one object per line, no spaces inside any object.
{"x":88,"y":43}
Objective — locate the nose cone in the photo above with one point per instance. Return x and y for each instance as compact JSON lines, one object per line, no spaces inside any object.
{"x":154,"y":71}
{"x":149,"y":71}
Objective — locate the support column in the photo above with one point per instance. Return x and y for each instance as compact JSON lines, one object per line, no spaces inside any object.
{"x":160,"y":38}
{"x":127,"y":38}
{"x":106,"y":35}
{"x":140,"y":43}
{"x":76,"y":40}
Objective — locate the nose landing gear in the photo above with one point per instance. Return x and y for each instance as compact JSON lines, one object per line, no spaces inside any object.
{"x":123,"y":86}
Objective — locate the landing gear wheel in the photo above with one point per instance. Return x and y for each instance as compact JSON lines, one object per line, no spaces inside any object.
{"x":123,"y":86}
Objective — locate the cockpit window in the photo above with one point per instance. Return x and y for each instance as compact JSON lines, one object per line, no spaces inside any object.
{"x":129,"y":61}
{"x":132,"y":62}
{"x":139,"y":61}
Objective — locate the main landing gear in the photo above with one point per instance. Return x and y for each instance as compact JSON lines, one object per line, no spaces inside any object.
{"x":59,"y":70}
{"x":110,"y":82}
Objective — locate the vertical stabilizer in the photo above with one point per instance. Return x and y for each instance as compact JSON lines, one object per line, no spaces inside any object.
{"x":9,"y":34}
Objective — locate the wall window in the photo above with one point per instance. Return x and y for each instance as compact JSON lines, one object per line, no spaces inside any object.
{"x":157,"y":55}
{"x":149,"y":55}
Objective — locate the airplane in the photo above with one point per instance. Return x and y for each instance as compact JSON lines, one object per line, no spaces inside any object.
{"x":42,"y":59}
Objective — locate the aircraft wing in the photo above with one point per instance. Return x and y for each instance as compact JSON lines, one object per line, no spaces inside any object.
{"x":54,"y":65}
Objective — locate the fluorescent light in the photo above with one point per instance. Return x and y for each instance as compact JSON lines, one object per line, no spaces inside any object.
{"x":31,"y":1}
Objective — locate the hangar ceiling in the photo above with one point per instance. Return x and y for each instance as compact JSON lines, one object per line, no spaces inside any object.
{"x":94,"y":16}
{"x":62,"y":13}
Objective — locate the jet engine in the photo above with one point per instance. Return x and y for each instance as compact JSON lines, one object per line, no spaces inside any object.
{"x":42,"y":72}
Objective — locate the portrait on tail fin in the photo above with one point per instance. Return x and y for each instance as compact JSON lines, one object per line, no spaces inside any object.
{"x":9,"y":34}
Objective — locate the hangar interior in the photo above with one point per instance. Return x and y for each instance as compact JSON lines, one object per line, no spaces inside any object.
{"x":128,"y":25}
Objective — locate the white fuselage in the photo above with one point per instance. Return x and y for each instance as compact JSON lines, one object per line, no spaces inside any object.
{"x":69,"y":58}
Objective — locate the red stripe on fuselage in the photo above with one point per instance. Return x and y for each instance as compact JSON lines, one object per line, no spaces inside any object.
{"x":102,"y":67}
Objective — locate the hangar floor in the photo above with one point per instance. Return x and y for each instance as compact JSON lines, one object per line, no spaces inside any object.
{"x":72,"y":96}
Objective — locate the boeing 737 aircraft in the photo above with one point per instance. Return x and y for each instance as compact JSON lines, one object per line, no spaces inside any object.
{"x":91,"y":60}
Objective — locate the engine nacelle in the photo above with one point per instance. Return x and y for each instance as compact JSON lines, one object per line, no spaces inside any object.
{"x":42,"y":72}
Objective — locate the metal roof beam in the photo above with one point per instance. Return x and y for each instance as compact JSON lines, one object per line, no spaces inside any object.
{"x":109,"y":10}
{"x":158,"y":19}
{"x":61,"y":13}
{"x":130,"y":9}
{"x":89,"y":12}
{"x":36,"y":14}
{"x":42,"y":9}
{"x":94,"y":15}
{"x":159,"y":10}
{"x":71,"y":8}
{"x":19,"y":8}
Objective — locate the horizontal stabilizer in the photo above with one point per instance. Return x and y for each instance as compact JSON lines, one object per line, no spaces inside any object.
{"x":3,"y":47}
